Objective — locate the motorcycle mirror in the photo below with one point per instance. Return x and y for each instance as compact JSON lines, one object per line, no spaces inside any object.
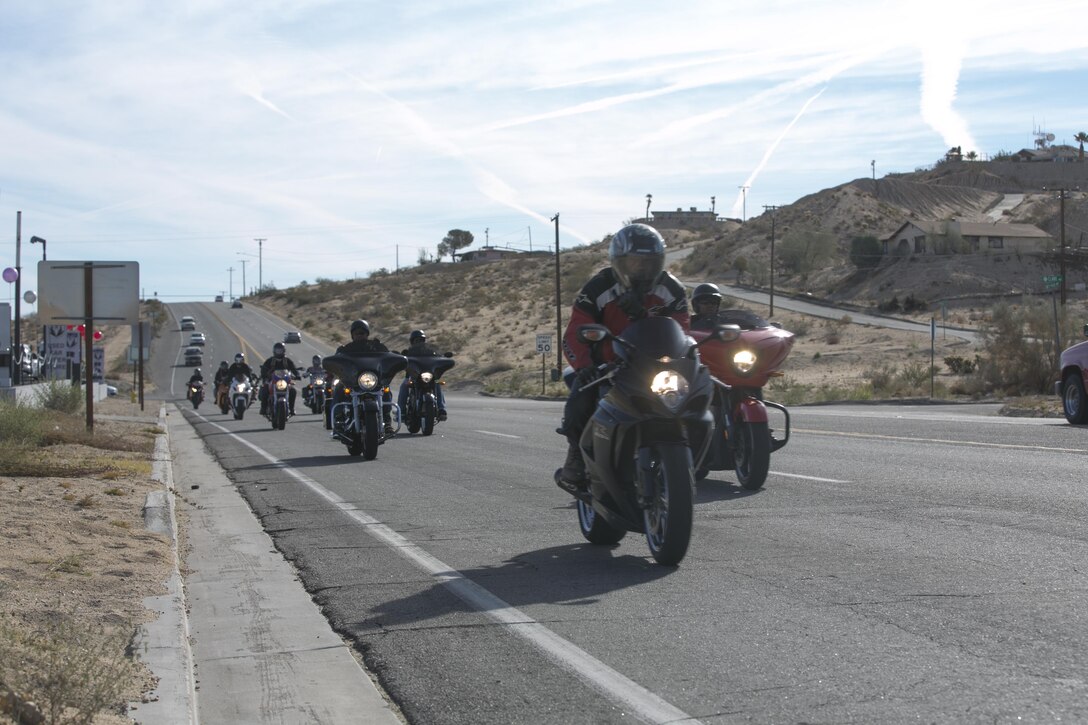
{"x":588,"y":334}
{"x":723,"y":333}
{"x":447,"y":354}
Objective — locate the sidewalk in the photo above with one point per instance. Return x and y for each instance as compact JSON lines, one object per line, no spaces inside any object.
{"x":241,"y":641}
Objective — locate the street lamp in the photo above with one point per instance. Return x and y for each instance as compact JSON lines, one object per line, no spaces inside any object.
{"x":744,"y":202}
{"x":39,"y":240}
{"x":712,"y":205}
{"x":649,"y":198}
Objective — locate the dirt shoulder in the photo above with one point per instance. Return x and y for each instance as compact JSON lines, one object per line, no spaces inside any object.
{"x":74,"y":555}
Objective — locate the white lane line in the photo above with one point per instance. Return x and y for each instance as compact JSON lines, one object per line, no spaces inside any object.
{"x":808,"y":478}
{"x":492,"y":433}
{"x":642,"y":703}
{"x":945,"y":441}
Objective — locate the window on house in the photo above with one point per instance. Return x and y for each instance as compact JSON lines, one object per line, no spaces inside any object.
{"x":997,"y":242}
{"x":919,"y":245}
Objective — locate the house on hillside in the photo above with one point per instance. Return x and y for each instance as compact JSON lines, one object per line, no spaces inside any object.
{"x":486,"y":254}
{"x":947,"y":237}
{"x":680,"y":219}
{"x":1059,"y":153}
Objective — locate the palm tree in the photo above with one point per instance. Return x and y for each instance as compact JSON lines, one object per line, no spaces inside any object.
{"x":972,"y":155}
{"x":1081,"y":138}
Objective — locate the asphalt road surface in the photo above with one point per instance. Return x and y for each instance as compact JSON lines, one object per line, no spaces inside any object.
{"x":902,"y":564}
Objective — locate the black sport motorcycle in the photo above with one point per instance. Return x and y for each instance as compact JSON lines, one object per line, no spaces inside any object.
{"x":649,"y":433}
{"x":356,"y":409}
{"x":421,"y":410}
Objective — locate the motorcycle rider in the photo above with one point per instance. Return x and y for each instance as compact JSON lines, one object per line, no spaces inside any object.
{"x":634,"y":286}
{"x":418,"y":347}
{"x":222,"y":380}
{"x":314,"y":371}
{"x":240,"y":367}
{"x":278,"y":361}
{"x":360,"y":345}
{"x":194,"y":378}
{"x":706,"y":299}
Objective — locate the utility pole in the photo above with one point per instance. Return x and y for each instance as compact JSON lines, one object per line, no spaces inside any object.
{"x":744,"y":202}
{"x":231,"y":270}
{"x":649,"y":198}
{"x":712,"y":205}
{"x":558,"y":374}
{"x":873,"y":164}
{"x":530,"y":238}
{"x":243,"y":278}
{"x":772,"y":209}
{"x":17,"y":368}
{"x":260,"y":263}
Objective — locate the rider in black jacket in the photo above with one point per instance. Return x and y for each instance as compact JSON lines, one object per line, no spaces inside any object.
{"x":278,"y":361}
{"x":418,"y":347}
{"x":360,"y":345}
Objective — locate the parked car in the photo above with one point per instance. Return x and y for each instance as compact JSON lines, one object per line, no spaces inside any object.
{"x":1070,"y":386}
{"x":187,"y":323}
{"x":292,"y":336}
{"x":219,"y":298}
{"x":236,"y":305}
{"x":30,"y":363}
{"x":193,"y":356}
{"x":197,"y":338}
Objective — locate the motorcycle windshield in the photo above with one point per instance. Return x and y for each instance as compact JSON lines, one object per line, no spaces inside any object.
{"x":654,"y":337}
{"x":430,"y":364}
{"x":385,"y":364}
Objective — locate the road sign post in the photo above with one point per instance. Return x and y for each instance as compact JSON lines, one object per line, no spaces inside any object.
{"x":543,"y":346}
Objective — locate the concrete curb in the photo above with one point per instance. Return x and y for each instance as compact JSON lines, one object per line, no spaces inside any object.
{"x":163,"y":645}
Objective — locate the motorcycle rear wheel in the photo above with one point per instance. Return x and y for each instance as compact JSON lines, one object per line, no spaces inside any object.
{"x":668,"y":520}
{"x":355,"y":448}
{"x":752,"y":454}
{"x":595,"y":529}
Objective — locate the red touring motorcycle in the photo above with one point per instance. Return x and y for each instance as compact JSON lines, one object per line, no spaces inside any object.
{"x":743,"y":439}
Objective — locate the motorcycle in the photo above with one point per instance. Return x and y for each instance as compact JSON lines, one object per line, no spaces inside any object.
{"x":650,"y":431}
{"x":240,"y":395}
{"x":222,"y":397}
{"x":314,"y":393}
{"x":743,"y":439}
{"x":196,"y":393}
{"x":279,"y":392}
{"x":421,"y":409}
{"x":362,"y":383}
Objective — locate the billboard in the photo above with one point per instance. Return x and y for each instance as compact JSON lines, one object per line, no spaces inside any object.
{"x":62,"y":292}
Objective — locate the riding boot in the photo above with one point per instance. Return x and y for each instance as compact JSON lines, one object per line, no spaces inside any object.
{"x":573,"y":476}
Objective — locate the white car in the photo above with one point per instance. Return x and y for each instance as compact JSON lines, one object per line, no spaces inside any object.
{"x":187,"y":323}
{"x":197,"y":338}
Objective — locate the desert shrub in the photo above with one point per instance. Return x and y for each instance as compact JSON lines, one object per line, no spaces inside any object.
{"x":913,"y":380}
{"x":960,"y":365}
{"x":60,"y":396}
{"x":865,"y":252}
{"x":20,"y":424}
{"x":1020,"y":352}
{"x":891,"y":305}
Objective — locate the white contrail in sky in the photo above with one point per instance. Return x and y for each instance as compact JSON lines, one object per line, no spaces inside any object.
{"x":738,"y":204}
{"x":942,"y":59}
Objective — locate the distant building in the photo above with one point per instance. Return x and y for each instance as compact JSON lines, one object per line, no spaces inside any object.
{"x":1059,"y":153}
{"x":486,"y":254}
{"x":918,"y":237}
{"x":680,"y":219}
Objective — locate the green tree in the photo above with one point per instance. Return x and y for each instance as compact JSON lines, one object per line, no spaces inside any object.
{"x":865,"y":252}
{"x":806,"y":250}
{"x":741,"y":265}
{"x":455,"y":239}
{"x":1081,"y":138}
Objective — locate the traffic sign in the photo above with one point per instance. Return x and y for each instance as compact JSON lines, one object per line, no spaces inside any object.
{"x":1052,"y":281}
{"x":543,"y":343}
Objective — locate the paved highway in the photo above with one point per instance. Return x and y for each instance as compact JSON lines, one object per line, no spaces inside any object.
{"x":902,"y":564}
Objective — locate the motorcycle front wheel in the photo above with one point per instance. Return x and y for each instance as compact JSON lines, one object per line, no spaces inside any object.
{"x":668,"y":518}
{"x":429,"y":414}
{"x":279,"y":415}
{"x":239,"y":410}
{"x":752,"y":454}
{"x":355,"y":448}
{"x":371,"y":426}
{"x":594,"y":528}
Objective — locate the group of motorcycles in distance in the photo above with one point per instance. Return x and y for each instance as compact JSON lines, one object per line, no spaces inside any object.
{"x":677,"y":406}
{"x":352,"y":393}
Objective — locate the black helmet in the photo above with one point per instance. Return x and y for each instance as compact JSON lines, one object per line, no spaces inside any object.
{"x":637,"y":256}
{"x":316,"y":360}
{"x":417,"y":336}
{"x":196,"y":372}
{"x":706,"y":291}
{"x":279,"y":349}
{"x":223,"y":364}
{"x":240,"y":357}
{"x":360,"y":324}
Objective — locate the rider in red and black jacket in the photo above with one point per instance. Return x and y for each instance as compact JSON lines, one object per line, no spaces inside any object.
{"x":635,"y":286}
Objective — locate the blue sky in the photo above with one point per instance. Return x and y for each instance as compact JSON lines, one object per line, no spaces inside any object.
{"x":344,"y":133}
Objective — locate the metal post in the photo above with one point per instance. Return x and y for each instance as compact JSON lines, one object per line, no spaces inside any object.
{"x":17,"y":349}
{"x":260,"y":263}
{"x":1061,"y":244}
{"x":231,"y":270}
{"x":141,"y":362}
{"x":558,"y":305}
{"x":771,"y":208}
{"x":88,"y":339}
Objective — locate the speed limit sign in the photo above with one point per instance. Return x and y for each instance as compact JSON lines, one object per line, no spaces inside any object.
{"x":543,"y":343}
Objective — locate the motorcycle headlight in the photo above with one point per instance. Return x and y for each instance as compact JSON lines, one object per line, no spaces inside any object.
{"x":671,"y":387}
{"x":319,"y":382}
{"x":426,"y":377}
{"x":281,"y":385}
{"x":368,"y":381}
{"x":744,"y":361}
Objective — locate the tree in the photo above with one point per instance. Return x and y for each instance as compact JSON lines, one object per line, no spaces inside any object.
{"x":455,"y":239}
{"x":1081,"y":138}
{"x":806,"y":250}
{"x":865,"y":252}
{"x":972,"y":156}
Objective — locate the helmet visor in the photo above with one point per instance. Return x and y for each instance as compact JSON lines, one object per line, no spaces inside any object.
{"x":639,"y":272}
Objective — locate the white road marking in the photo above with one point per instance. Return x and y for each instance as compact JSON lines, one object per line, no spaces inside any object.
{"x":944,"y":441}
{"x":492,"y":433}
{"x":643,"y":704}
{"x":808,"y":478}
